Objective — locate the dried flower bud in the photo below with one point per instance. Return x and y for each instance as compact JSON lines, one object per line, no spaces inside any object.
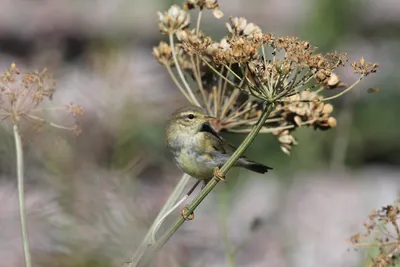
{"x":218,"y":13}
{"x":193,"y":43}
{"x":287,"y":140}
{"x":240,"y":27}
{"x":332,"y":122}
{"x":163,"y":53}
{"x":298,"y":120}
{"x":327,"y":109}
{"x":321,"y":76}
{"x":333,"y":80}
{"x":173,"y":20}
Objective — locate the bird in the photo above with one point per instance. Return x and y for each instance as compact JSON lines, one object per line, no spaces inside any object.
{"x":197,"y":148}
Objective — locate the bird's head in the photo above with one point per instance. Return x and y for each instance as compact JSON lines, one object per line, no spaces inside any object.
{"x":189,"y":120}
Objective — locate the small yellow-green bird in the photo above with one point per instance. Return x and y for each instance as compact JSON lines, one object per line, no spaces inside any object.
{"x":198,"y":149}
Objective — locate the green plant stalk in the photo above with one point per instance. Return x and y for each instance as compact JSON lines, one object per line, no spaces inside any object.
{"x":167,"y":206}
{"x":210,"y":185}
{"x":21,"y":198}
{"x":224,"y":202}
{"x":344,"y":91}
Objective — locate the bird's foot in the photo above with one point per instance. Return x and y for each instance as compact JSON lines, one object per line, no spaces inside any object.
{"x":218,"y":176}
{"x":183,"y":213}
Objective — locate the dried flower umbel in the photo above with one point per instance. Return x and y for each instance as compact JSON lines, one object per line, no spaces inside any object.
{"x":21,"y":99}
{"x":247,"y":69}
{"x":251,"y":82}
{"x":382,"y":233}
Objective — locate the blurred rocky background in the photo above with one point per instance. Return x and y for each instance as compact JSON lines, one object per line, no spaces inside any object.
{"x":91,"y":199}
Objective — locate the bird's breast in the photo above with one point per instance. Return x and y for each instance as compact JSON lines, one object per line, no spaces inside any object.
{"x":191,"y":158}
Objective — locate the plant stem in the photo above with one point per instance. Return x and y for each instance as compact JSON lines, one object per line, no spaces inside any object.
{"x":218,"y":73}
{"x":271,"y":130}
{"x":198,"y":22}
{"x":21,"y":199}
{"x":172,"y":75}
{"x":344,"y":91}
{"x":33,"y":117}
{"x":197,"y":76}
{"x":210,"y":185}
{"x":167,"y":206}
{"x":178,"y":68}
{"x":224,"y":202}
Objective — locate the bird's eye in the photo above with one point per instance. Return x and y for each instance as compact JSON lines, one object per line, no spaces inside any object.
{"x":190,"y":116}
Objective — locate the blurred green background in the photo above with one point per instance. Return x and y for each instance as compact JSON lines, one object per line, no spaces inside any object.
{"x":91,"y":198}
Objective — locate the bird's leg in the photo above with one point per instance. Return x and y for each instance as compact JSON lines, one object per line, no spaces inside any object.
{"x":218,"y":176}
{"x":193,"y":188}
{"x":183,"y":213}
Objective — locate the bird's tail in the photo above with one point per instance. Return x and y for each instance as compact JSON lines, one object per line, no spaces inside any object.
{"x":255,"y":167}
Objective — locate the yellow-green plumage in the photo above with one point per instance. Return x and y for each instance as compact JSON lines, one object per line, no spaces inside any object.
{"x":197,"y":148}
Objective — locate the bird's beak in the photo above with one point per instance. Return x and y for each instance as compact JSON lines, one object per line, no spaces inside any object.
{"x":209,"y":118}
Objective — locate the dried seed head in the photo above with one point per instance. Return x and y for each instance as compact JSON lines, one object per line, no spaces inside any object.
{"x":327,"y":109}
{"x":238,"y":75}
{"x":193,"y":43}
{"x":76,"y":110}
{"x":220,"y":52}
{"x":243,"y":50}
{"x":286,"y":140}
{"x":204,"y":4}
{"x":173,"y":20}
{"x":333,"y":80}
{"x":332,"y":122}
{"x":305,"y":109}
{"x":163,"y":53}
{"x":21,"y":97}
{"x":364,"y":68}
{"x":240,"y":27}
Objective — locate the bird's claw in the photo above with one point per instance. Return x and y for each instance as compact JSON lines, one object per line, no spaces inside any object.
{"x":218,"y":176}
{"x":183,"y":213}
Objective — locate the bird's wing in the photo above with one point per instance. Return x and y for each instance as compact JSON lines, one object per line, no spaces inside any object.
{"x":215,"y":142}
{"x":212,"y":141}
{"x":217,"y":148}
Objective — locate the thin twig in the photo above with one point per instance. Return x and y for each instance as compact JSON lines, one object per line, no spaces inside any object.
{"x":173,"y":77}
{"x":178,"y":68}
{"x":234,"y":74}
{"x":196,"y":72}
{"x":271,"y":130}
{"x":344,"y":91}
{"x":219,"y":74}
{"x":33,"y":117}
{"x":198,"y":22}
{"x":234,"y":95}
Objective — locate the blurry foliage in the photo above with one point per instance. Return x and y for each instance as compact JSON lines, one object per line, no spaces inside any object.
{"x":137,"y":139}
{"x":372,"y":136}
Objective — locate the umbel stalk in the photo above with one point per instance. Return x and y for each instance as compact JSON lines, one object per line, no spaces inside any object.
{"x":21,"y":198}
